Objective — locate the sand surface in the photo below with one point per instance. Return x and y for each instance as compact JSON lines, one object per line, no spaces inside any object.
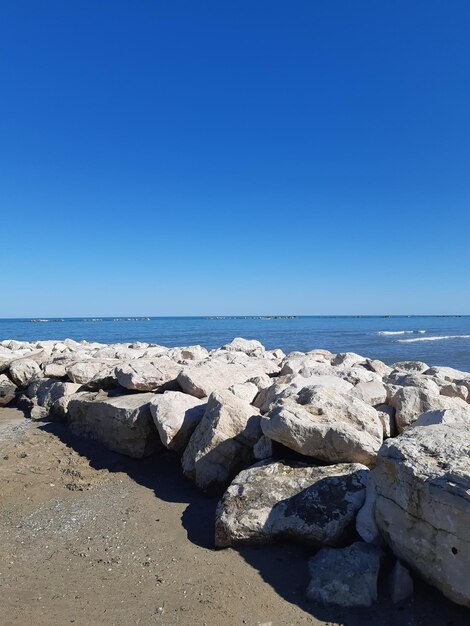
{"x":91,"y":537}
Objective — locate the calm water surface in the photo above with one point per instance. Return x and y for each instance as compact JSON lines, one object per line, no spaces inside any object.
{"x":435,"y":340}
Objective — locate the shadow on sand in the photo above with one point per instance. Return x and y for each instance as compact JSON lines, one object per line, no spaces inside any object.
{"x":283,"y":566}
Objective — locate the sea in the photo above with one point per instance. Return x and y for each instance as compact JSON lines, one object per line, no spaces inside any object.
{"x":436,"y":340}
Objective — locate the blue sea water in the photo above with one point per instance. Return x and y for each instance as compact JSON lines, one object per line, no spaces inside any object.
{"x":443,"y":340}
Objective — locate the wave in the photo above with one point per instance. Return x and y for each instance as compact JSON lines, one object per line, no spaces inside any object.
{"x":400,"y":332}
{"x":437,"y":338}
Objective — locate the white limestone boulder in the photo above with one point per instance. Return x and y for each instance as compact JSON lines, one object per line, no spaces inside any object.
{"x":149,"y":375}
{"x":176,"y":416}
{"x":411,"y":402}
{"x":423,"y":504}
{"x":282,"y":499}
{"x":23,"y":371}
{"x":121,"y":423}
{"x":326,"y":425}
{"x":222,"y":443}
{"x":218,"y":374}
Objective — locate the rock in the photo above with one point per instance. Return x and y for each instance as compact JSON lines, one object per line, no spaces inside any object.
{"x":326,"y":425}
{"x":411,"y":402}
{"x":83,"y":372}
{"x":447,"y":373}
{"x":365,"y":521}
{"x":249,"y":346}
{"x":203,"y":378}
{"x":425,"y":383}
{"x":122,"y":423}
{"x":23,"y":371}
{"x":144,"y":375}
{"x":288,"y":386}
{"x":246,"y":391}
{"x":345,"y":576}
{"x":452,"y":390}
{"x":222,"y":443}
{"x":194,"y":353}
{"x":372,"y":392}
{"x":263,"y":448}
{"x":46,"y":391}
{"x":423,"y":504}
{"x":380,"y":368}
{"x":176,"y":415}
{"x":411,"y":366}
{"x":284,"y":499}
{"x":386,"y":415}
{"x":445,"y":416}
{"x":55,"y":369}
{"x":7,"y":390}
{"x":347,"y":359}
{"x":401,"y":583}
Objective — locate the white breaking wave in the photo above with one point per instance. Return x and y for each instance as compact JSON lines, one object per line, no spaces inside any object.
{"x":438,"y":338}
{"x":400,"y":332}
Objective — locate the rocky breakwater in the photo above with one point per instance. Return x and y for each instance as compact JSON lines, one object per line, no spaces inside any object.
{"x":365,"y":463}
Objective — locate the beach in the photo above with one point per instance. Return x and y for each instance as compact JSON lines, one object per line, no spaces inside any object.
{"x":88,"y":536}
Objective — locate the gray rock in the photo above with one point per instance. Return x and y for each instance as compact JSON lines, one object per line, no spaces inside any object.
{"x":278,"y":499}
{"x":371,"y":392}
{"x":401,"y":583}
{"x":122,"y":423}
{"x":423,"y":504}
{"x":345,"y":576}
{"x":176,"y":415}
{"x":411,"y":366}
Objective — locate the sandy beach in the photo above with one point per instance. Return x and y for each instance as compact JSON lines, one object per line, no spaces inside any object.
{"x":90,"y":536}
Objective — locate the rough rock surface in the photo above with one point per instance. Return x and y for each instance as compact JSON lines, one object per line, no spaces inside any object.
{"x":7,"y":390}
{"x":222,"y":443}
{"x":122,"y":423}
{"x":411,"y":402}
{"x":317,"y":505}
{"x":176,"y":415}
{"x":345,"y":576}
{"x":23,"y":371}
{"x":149,"y":375}
{"x":326,"y":425}
{"x":217,"y":374}
{"x":423,"y":504}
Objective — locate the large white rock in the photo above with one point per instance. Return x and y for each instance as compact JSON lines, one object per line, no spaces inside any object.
{"x":176,"y":415}
{"x":217,"y":374}
{"x":448,"y":373}
{"x":249,"y":346}
{"x":122,"y":423}
{"x":289,"y":386}
{"x":411,"y":402}
{"x":23,"y":371}
{"x":285,"y":499}
{"x":445,"y":416}
{"x":371,"y":392}
{"x":83,"y":372}
{"x":411,"y":366}
{"x":149,"y":375}
{"x":423,"y":504}
{"x":222,"y":443}
{"x":345,"y":577}
{"x":326,"y":425}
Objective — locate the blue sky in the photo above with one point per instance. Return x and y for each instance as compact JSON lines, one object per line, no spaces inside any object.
{"x":234,"y":157}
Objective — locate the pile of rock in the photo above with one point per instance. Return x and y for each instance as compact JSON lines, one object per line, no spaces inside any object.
{"x":358,"y":459}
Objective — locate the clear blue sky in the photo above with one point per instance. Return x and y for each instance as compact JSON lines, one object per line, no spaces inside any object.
{"x":234,"y":157}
